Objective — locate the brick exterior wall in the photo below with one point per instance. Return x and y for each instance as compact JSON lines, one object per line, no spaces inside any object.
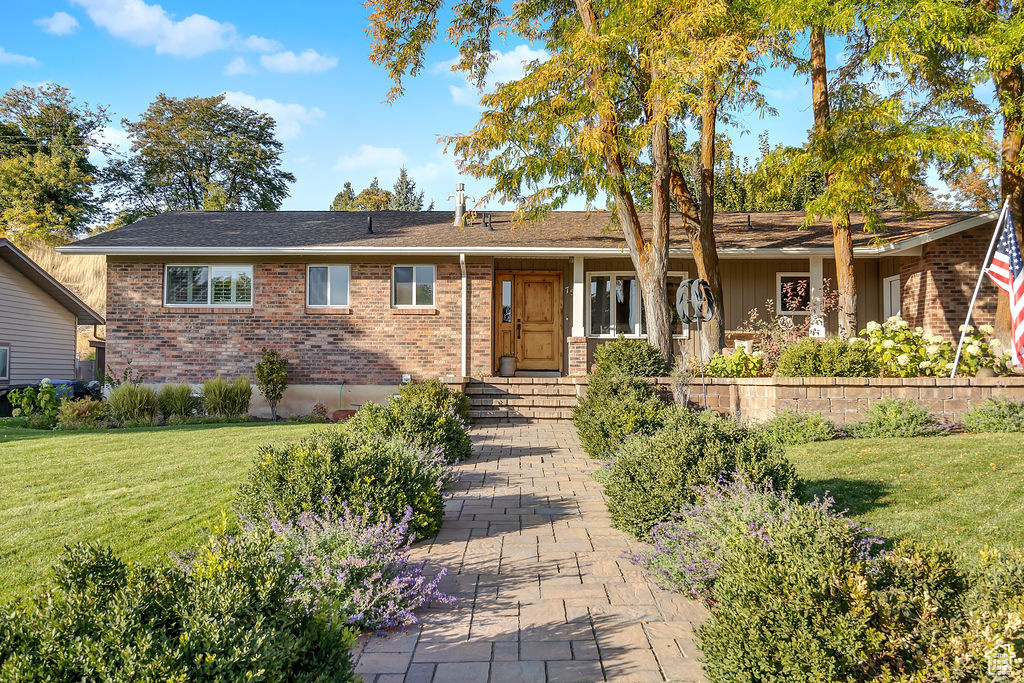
{"x":937,"y":286}
{"x":368,"y":342}
{"x":578,"y":356}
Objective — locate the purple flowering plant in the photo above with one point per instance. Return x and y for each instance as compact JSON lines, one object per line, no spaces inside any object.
{"x":686,"y":553}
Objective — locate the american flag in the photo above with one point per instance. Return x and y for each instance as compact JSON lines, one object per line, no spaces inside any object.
{"x":1007,"y":271}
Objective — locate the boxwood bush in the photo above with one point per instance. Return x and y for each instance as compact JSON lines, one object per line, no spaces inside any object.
{"x":437,"y":395}
{"x":832,"y":358}
{"x":633,"y":357}
{"x":615,"y":407}
{"x":896,"y":418}
{"x":995,"y":415}
{"x":417,"y":420}
{"x":229,"y":615}
{"x":345,"y":464}
{"x":655,"y":475}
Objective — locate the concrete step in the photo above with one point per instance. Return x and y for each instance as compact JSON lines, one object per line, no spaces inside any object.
{"x":521,"y":413}
{"x":528,"y":401}
{"x":521,"y":389}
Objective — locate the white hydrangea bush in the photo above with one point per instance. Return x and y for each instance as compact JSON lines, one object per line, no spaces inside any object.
{"x":905,"y":351}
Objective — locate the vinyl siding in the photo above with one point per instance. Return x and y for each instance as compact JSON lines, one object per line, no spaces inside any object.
{"x":40,"y":332}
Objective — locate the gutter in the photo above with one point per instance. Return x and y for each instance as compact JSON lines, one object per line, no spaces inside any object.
{"x":465,"y":319}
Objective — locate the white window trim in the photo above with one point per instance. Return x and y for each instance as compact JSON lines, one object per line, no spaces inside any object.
{"x":886,"y":308}
{"x":622,"y":273}
{"x":5,"y":369}
{"x":414,"y":266}
{"x":209,"y":285}
{"x":778,"y":291}
{"x":348,"y":289}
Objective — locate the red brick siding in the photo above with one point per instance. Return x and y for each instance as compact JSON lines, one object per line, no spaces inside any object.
{"x":369,"y":343}
{"x":937,"y":286}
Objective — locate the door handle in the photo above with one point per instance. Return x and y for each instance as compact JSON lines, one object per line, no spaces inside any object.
{"x":519,"y":327}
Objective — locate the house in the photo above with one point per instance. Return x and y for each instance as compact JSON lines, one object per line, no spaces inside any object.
{"x":360,"y":301}
{"x":39,"y":320}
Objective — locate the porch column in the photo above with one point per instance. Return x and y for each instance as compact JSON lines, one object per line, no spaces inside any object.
{"x":577,"y":341}
{"x":817,"y":269}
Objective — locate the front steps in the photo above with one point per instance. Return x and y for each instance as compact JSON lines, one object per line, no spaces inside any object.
{"x":520,"y":399}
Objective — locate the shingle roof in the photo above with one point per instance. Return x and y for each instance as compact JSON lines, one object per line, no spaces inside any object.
{"x":426,"y":230}
{"x":61,"y":294}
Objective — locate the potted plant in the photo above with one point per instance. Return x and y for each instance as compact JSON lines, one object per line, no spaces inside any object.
{"x":507,"y":365}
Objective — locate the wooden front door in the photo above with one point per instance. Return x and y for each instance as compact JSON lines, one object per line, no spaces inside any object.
{"x":528,"y":325}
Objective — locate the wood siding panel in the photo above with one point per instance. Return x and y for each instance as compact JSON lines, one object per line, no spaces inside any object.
{"x":40,"y":332}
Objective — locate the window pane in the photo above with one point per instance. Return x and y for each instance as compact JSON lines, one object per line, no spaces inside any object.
{"x":600,"y":305}
{"x":199,"y":284}
{"x":186,"y":284}
{"x":506,"y":301}
{"x":339,"y":285}
{"x":317,"y":286}
{"x":403,"y":286}
{"x":794,"y":293}
{"x":232,"y":285}
{"x":673,"y":289}
{"x":627,"y":306}
{"x":424,"y":285}
{"x":222,"y":282}
{"x":243,"y":287}
{"x":4,"y":355}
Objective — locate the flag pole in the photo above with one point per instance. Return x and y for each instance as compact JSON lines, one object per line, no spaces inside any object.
{"x":977,"y":287}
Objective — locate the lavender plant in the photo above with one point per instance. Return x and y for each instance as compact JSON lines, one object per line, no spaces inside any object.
{"x":687,"y":552}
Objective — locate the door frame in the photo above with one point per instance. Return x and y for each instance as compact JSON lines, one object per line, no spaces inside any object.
{"x":499,"y":275}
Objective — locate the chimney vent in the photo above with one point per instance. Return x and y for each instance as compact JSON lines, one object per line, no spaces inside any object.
{"x":487,"y":221}
{"x":748,"y":221}
{"x":369,"y":225}
{"x":460,"y":197}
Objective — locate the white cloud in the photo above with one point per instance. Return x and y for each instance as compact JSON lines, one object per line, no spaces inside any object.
{"x":289,"y":117}
{"x":260,"y":44}
{"x":308,"y":61}
{"x":504,"y":67}
{"x":143,"y":24}
{"x":371,"y":157}
{"x":116,"y":138}
{"x":238,"y":66}
{"x":60,"y":24}
{"x":17,"y":60}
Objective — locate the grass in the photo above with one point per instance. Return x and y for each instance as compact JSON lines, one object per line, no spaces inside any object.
{"x":964,"y":491}
{"x":144,"y":492}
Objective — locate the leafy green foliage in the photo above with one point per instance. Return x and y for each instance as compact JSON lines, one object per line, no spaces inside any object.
{"x":200,"y":153}
{"x":654,"y":476}
{"x":615,"y":407}
{"x":271,"y":377}
{"x":40,"y":404}
{"x":132,"y":405}
{"x":438,"y":396}
{"x":790,"y":427}
{"x":83,"y":413}
{"x":832,"y":358}
{"x":893,"y":417}
{"x":418,"y":421}
{"x":176,"y":402}
{"x":995,"y":415}
{"x":225,"y":616}
{"x":632,"y":357}
{"x":372,"y":198}
{"x":348,"y":464}
{"x":739,"y":363}
{"x":903,"y":351}
{"x":227,"y":400}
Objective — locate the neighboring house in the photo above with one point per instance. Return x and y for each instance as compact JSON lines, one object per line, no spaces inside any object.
{"x":356,"y":308}
{"x":38,"y":322}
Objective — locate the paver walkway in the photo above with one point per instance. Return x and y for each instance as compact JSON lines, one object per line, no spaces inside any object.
{"x":544,"y":592}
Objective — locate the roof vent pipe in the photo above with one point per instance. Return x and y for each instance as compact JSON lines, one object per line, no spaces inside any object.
{"x":369,"y":225}
{"x":487,"y":221}
{"x":460,"y":203}
{"x":748,"y":221}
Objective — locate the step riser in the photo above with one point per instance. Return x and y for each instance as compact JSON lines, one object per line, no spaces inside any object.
{"x":523,"y":399}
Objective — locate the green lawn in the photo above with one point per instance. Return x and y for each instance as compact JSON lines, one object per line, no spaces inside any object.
{"x":144,"y":492}
{"x":963,"y":491}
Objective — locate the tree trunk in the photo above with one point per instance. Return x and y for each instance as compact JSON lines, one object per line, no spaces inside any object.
{"x":703,"y":246}
{"x":842,"y":238}
{"x":1010,"y":92}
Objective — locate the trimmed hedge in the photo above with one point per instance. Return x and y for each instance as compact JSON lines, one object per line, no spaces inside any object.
{"x":615,"y":407}
{"x":633,"y":357}
{"x":438,"y":396}
{"x":417,"y":420}
{"x":832,"y":358}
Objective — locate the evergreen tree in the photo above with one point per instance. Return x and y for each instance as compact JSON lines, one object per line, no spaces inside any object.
{"x":343,"y":200}
{"x":405,"y":197}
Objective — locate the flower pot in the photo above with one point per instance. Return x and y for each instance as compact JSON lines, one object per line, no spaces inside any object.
{"x":507,"y":366}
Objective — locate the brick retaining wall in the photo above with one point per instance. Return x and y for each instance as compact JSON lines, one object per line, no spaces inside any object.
{"x":845,"y":399}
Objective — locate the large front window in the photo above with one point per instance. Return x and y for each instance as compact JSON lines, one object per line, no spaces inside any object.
{"x":208,"y":286}
{"x":616,"y":305}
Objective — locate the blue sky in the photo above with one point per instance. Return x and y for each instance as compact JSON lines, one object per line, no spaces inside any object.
{"x":306,"y":64}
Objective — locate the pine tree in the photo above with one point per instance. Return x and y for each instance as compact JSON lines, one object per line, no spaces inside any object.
{"x":343,"y":200}
{"x":405,"y":197}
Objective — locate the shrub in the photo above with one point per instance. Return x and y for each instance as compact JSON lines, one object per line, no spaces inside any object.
{"x":416,"y":421}
{"x":737,"y":364}
{"x":319,"y":413}
{"x":995,"y":415}
{"x":225,"y":617}
{"x":615,"y":407}
{"x":633,"y":357}
{"x":84,"y":413}
{"x":832,"y":358}
{"x":790,"y":427}
{"x":355,"y":567}
{"x":221,"y":399}
{"x":176,"y":402}
{"x":903,"y":351}
{"x":132,"y":405}
{"x":39,"y":405}
{"x":271,"y":378}
{"x":343,"y":464}
{"x":437,"y":395}
{"x":893,"y":417}
{"x":654,"y":476}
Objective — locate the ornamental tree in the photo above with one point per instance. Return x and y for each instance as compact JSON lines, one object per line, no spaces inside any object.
{"x":271,"y":378}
